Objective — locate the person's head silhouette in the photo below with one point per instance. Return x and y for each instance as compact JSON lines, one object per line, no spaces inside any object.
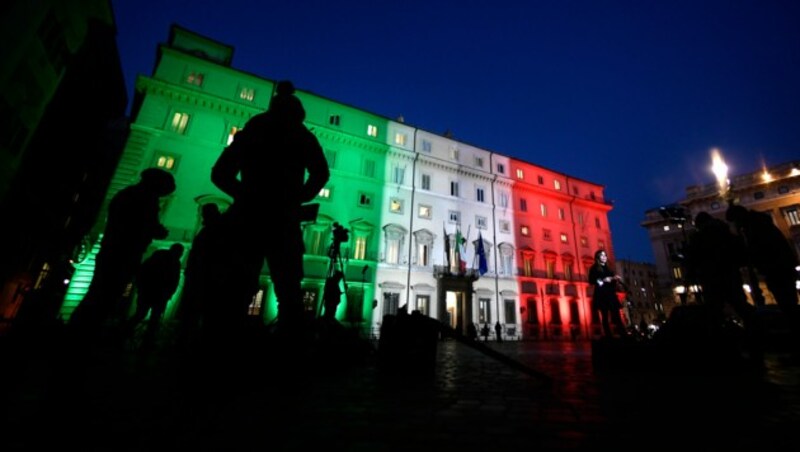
{"x":158,"y":180}
{"x":285,"y":104}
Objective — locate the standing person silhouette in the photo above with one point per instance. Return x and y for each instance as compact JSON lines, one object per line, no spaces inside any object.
{"x":204,"y":254}
{"x":156,"y":282}
{"x":485,"y":332}
{"x":604,"y":298}
{"x":132,"y":224}
{"x":498,"y":329}
{"x":264,"y":171}
{"x":772,"y":255}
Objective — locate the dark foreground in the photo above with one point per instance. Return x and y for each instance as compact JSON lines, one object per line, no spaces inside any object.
{"x":262,"y":398}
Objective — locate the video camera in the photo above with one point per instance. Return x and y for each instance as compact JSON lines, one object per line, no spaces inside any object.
{"x":340,"y":233}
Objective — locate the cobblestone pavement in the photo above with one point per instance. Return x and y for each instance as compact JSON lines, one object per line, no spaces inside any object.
{"x":546,"y":396}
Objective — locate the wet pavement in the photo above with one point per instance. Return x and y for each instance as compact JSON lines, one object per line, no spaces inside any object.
{"x":538,"y":395}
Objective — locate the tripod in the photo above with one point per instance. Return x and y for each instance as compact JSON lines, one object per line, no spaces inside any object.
{"x":335,"y":279}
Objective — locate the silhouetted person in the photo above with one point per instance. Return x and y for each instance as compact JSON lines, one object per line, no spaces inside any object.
{"x":498,"y":329}
{"x":604,"y":296}
{"x":714,"y":257}
{"x":773,"y":256}
{"x":485,"y":332}
{"x":132,"y":224}
{"x":204,"y":255}
{"x":472,"y":331}
{"x":264,"y":171}
{"x":156,"y":283}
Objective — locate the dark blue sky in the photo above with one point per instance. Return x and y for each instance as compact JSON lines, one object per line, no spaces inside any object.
{"x":632,"y":95}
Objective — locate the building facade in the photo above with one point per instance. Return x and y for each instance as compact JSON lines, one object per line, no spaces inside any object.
{"x":774,"y":190}
{"x":415,"y":205}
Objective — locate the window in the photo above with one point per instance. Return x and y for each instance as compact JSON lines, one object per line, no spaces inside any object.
{"x":510,"y":311}
{"x":360,"y":247}
{"x":580,"y":218}
{"x":783,"y":189}
{"x":391,"y":301}
{"x":425,"y":211}
{"x":247,"y":94}
{"x":715,"y":205}
{"x":484,"y":313}
{"x":330,"y":156}
{"x":400,"y":139}
{"x":325,"y":193}
{"x":399,"y":175}
{"x":454,"y":154}
{"x":166,"y":161}
{"x":568,"y":271}
{"x":584,"y":241}
{"x":479,"y":195}
{"x":561,"y":214}
{"x":364,"y":199}
{"x":792,"y":216}
{"x":424,"y":240}
{"x":601,"y":244}
{"x":527,"y":264}
{"x":315,"y":238}
{"x":423,"y":301}
{"x":505,"y":226}
{"x":550,"y":267}
{"x":454,"y":216}
{"x":557,"y":184}
{"x":479,"y":161}
{"x":506,"y":259}
{"x":480,"y":222}
{"x":394,"y":237}
{"x":564,"y":238}
{"x":501,"y":168}
{"x":195,"y":78}
{"x":525,"y":231}
{"x":426,"y":181}
{"x":179,"y":122}
{"x":372,"y":130}
{"x":520,"y":174}
{"x":758,"y":195}
{"x":334,"y":120}
{"x":597,"y":222}
{"x":368,"y":168}
{"x":546,"y":234}
{"x":523,"y":204}
{"x":540,"y":179}
{"x":427,"y":147}
{"x":231,"y":133}
{"x":454,"y":189}
{"x":575,"y":190}
{"x":503,"y":199}
{"x":543,"y":209}
{"x":396,"y":205}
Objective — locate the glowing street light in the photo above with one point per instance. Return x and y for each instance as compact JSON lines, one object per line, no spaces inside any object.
{"x":720,"y":170}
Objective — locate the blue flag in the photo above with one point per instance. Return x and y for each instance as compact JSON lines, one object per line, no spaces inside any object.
{"x":483,"y":267}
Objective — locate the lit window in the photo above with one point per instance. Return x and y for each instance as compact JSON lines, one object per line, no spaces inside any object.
{"x":543,"y":209}
{"x":372,"y":130}
{"x":666,"y":228}
{"x":165,"y":162}
{"x":454,"y":154}
{"x":233,"y":131}
{"x":360,"y":248}
{"x":424,"y":211}
{"x":525,"y":231}
{"x":396,"y":205}
{"x":527,"y":264}
{"x":584,"y":241}
{"x":325,"y":193}
{"x":400,"y":139}
{"x":179,"y":122}
{"x":561,"y":214}
{"x":792,"y":216}
{"x":564,"y":238}
{"x":551,"y":268}
{"x":195,"y":78}
{"x":520,"y":174}
{"x":247,"y":94}
{"x":556,"y":184}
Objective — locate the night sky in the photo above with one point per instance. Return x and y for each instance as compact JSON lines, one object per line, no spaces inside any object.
{"x":632,"y":95}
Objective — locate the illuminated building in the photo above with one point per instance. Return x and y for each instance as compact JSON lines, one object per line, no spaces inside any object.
{"x":398,"y":190}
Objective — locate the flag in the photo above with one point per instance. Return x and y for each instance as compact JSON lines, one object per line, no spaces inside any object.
{"x":462,"y":263}
{"x":483,"y":267}
{"x":446,"y":247}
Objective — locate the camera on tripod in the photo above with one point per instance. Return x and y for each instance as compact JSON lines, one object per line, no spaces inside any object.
{"x":340,"y":233}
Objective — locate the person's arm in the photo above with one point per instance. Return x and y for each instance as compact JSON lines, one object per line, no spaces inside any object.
{"x":318,"y":171}
{"x":225,"y":171}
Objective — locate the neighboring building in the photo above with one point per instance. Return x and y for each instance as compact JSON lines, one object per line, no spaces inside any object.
{"x":775,"y":190}
{"x":62,"y":128}
{"x":643,"y":303}
{"x":399,"y":190}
